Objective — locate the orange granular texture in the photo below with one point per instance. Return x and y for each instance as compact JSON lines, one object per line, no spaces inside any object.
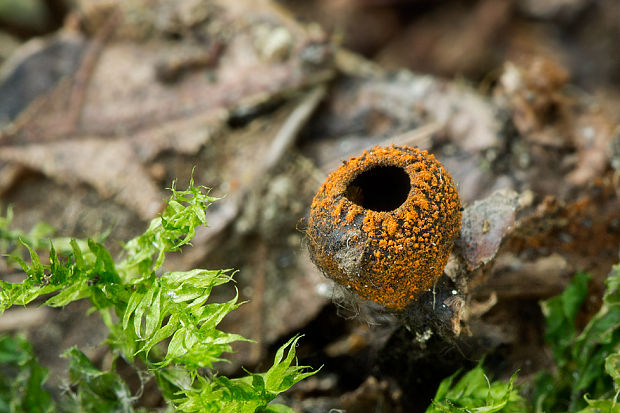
{"x":388,"y":257}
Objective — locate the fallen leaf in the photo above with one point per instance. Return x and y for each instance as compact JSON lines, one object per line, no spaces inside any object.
{"x":485,"y":225}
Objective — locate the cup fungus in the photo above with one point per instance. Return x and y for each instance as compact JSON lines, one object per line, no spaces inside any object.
{"x":383,"y":224}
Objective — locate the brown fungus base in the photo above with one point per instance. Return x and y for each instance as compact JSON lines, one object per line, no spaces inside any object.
{"x":383,"y":224}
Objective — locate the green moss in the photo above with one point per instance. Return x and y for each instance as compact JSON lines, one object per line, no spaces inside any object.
{"x":162,"y":322}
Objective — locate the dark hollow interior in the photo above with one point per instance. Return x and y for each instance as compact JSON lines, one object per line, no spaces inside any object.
{"x":382,"y":188}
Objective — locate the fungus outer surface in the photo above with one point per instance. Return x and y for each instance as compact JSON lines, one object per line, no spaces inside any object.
{"x":383,"y":224}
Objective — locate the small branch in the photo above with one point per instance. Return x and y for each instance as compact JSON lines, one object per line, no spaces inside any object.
{"x":258,"y":301}
{"x":84,"y":73}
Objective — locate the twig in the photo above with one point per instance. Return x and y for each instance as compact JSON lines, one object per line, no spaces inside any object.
{"x":84,"y":73}
{"x":419,"y":137}
{"x":258,"y":301}
{"x":231,"y":205}
{"x":292,"y":126}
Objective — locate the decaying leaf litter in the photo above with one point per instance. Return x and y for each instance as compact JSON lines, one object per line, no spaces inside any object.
{"x":263,"y":107}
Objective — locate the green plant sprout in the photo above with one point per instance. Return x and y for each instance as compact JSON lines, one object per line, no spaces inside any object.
{"x":474,"y":392}
{"x":587,"y":377}
{"x":21,"y":377}
{"x":163,"y":320}
{"x":587,"y":374}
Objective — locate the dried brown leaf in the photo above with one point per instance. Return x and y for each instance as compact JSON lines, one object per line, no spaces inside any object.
{"x":485,"y":225}
{"x":108,"y":165}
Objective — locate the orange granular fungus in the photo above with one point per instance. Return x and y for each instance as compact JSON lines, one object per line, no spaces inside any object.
{"x":386,"y":256}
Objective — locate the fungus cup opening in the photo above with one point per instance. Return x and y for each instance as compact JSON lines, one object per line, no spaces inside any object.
{"x":380,"y":188}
